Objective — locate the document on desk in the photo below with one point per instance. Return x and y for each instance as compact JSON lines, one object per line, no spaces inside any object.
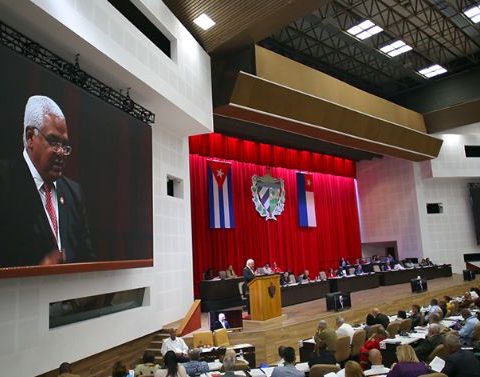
{"x":437,"y":364}
{"x":257,"y":372}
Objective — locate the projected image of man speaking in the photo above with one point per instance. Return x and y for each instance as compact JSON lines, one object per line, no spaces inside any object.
{"x":42,"y":212}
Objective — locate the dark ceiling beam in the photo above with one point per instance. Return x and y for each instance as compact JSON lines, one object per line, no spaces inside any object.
{"x":451,"y":117}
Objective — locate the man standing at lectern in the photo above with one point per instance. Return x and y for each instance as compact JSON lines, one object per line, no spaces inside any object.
{"x":42,"y":213}
{"x":248,"y":276}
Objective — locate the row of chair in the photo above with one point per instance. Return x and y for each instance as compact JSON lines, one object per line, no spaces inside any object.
{"x":219,"y":338}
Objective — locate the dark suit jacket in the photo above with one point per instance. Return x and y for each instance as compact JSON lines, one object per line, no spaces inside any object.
{"x":26,"y":236}
{"x":248,"y":276}
{"x":325,"y":357}
{"x":427,"y":346}
{"x":462,"y":364}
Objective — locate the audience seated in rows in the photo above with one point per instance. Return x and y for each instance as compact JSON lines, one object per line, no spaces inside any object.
{"x":172,"y":367}
{"x":229,"y":365}
{"x":471,"y":321}
{"x":148,"y":366}
{"x":288,"y":370}
{"x":239,"y":365}
{"x":195,"y":367}
{"x":325,"y":335}
{"x":434,"y":308}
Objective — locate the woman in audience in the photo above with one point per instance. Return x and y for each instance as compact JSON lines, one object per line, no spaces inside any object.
{"x":331,"y":273}
{"x":148,"y":367}
{"x":416,"y":316}
{"x":371,"y":343}
{"x":408,"y":364}
{"x":230,"y":272}
{"x":172,"y":367}
{"x":353,"y":369}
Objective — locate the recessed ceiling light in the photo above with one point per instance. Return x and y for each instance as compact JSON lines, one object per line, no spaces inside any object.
{"x":204,"y":21}
{"x":473,"y":13}
{"x":433,"y":70}
{"x":364,"y":30}
{"x":395,"y":48}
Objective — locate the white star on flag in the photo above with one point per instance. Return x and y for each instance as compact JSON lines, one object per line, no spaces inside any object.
{"x":220,"y":173}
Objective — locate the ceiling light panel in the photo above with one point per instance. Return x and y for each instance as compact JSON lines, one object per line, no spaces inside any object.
{"x":204,"y":21}
{"x":432,"y":71}
{"x":395,"y":48}
{"x":364,"y":30}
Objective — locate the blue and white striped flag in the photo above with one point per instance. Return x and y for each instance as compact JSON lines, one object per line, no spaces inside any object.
{"x":306,"y":201}
{"x":220,"y":197}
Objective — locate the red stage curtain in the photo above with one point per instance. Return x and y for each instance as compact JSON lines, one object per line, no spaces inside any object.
{"x":283,"y":241}
{"x":221,"y":146}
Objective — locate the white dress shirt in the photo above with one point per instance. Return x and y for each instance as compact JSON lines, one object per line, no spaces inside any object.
{"x":345,"y":330}
{"x":376,"y":370}
{"x":37,"y":178}
{"x":177,"y":345}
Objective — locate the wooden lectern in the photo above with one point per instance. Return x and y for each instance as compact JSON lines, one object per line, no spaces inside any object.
{"x":265,"y":297}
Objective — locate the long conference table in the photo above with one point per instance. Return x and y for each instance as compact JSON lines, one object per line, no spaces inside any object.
{"x":219,"y":294}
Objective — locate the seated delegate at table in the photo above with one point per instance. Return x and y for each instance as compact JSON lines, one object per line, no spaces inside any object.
{"x":288,"y":370}
{"x":325,"y":335}
{"x":321,"y":356}
{"x":344,"y":329}
{"x":408,"y":364}
{"x":459,"y":363}
{"x":175,"y":344}
{"x":377,"y":318}
{"x":304,"y":277}
{"x":275,"y":268}
{"x":195,"y":367}
{"x":230,"y":272}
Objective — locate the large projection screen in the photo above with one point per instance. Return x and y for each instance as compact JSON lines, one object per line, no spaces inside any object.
{"x":111,"y":160}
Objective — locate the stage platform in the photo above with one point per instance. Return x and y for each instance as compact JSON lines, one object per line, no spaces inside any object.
{"x":300,"y":321}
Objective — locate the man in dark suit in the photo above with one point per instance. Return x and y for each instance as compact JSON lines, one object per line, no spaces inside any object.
{"x":459,"y":363}
{"x":42,"y":213}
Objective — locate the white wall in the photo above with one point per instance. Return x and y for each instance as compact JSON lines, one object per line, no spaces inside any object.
{"x":179,"y":92}
{"x":393,"y":195}
{"x":388,"y":204}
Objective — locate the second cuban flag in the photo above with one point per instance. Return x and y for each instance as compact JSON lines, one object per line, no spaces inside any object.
{"x":306,"y":201}
{"x":220,"y":197}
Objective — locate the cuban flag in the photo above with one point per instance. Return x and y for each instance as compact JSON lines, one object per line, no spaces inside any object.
{"x":306,"y":201}
{"x":220,"y":197}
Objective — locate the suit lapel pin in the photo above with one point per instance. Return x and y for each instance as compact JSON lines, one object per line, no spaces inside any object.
{"x":62,"y":201}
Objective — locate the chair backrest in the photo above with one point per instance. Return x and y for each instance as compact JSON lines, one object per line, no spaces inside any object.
{"x":476,"y":332}
{"x":320,"y":370}
{"x":405,"y":325}
{"x":202,"y":338}
{"x":291,"y":279}
{"x":221,"y":338}
{"x":392,"y":329}
{"x":372,"y":329}
{"x":439,"y":351}
{"x":222,"y":274}
{"x":376,"y":268}
{"x":323,"y":275}
{"x":342,"y":348}
{"x":357,"y":341}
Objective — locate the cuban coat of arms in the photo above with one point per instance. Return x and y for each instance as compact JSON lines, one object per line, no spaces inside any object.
{"x":268,"y":195}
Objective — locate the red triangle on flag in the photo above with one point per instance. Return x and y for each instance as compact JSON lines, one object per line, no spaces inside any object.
{"x":219,"y":170}
{"x":308,"y":181}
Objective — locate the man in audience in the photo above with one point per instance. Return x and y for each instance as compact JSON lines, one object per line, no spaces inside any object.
{"x":175,"y":344}
{"x":471,"y":321}
{"x":344,"y":329}
{"x":229,"y":365}
{"x":431,"y":341}
{"x":304,"y":277}
{"x":459,"y":363}
{"x":148,"y":366}
{"x":194,"y":367}
{"x":377,"y":367}
{"x":288,"y":370}
{"x":377,"y":318}
{"x":280,"y":362}
{"x":325,"y":335}
{"x":239,"y":364}
{"x":321,"y":356}
{"x":65,"y":370}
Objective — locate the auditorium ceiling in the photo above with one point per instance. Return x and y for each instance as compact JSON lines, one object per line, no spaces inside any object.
{"x":315,"y":33}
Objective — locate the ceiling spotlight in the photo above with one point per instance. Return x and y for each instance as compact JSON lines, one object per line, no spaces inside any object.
{"x":433,"y":70}
{"x":364,"y":30}
{"x":395,"y":48}
{"x":473,"y":13}
{"x":204,"y":21}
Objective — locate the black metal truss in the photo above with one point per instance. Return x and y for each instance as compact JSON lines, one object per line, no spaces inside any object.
{"x":72,"y":72}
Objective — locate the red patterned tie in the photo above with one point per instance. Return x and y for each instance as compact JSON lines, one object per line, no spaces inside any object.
{"x":50,"y":208}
